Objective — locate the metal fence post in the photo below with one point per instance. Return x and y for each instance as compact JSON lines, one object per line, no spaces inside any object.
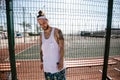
{"x":10,"y":30}
{"x":24,"y":27}
{"x":107,"y":41}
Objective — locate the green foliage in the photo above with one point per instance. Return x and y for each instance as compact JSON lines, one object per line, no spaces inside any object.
{"x":25,"y":25}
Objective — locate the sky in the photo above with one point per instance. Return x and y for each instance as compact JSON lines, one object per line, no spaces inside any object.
{"x":71,"y":16}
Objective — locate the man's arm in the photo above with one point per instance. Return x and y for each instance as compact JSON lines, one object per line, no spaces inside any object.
{"x":41,"y":55}
{"x":60,"y":41}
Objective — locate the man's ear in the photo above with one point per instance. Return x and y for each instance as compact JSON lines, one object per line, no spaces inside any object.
{"x":47,"y":20}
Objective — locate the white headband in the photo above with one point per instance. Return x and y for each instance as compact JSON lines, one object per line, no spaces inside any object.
{"x":41,"y":17}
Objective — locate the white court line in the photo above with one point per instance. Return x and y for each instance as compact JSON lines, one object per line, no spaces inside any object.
{"x":27,"y":59}
{"x":21,"y":51}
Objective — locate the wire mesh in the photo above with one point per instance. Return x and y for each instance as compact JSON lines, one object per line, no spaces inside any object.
{"x":83,"y":23}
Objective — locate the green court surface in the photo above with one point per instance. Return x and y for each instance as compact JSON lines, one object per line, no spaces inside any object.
{"x":29,"y":53}
{"x":76,"y":47}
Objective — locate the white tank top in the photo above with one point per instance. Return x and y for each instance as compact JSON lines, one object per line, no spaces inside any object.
{"x":50,"y":51}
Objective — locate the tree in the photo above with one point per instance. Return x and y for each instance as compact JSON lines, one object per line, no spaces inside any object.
{"x":1,"y":28}
{"x":25,"y":25}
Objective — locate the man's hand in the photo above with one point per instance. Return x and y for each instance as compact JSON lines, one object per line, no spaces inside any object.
{"x":41,"y":66}
{"x":60,"y":65}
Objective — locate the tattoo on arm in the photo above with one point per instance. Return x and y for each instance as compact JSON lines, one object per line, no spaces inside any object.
{"x":41,"y":56}
{"x":61,"y":45}
{"x":60,"y":35}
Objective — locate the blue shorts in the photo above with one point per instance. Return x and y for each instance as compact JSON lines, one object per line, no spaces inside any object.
{"x":55,"y":76}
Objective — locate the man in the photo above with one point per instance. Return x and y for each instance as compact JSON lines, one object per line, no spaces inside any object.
{"x":51,"y":50}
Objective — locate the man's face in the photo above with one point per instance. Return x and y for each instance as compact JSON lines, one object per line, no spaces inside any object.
{"x":43,"y":23}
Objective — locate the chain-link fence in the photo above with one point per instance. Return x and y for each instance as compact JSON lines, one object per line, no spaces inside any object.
{"x":84,"y":25}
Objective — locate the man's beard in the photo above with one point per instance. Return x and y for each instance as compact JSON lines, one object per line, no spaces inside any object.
{"x":46,"y":28}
